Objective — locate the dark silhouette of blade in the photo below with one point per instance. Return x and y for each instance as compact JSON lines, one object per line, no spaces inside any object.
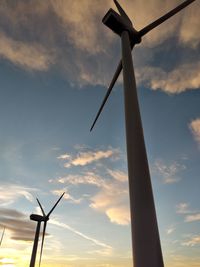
{"x":2,"y":235}
{"x":122,"y":12}
{"x":116,"y":75}
{"x":42,"y":244}
{"x":41,"y":207}
{"x":114,"y":79}
{"x":141,"y":33}
{"x":55,"y":205}
{"x":165,"y":17}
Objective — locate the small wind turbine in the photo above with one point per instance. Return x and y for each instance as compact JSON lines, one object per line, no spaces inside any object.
{"x":2,"y":235}
{"x":39,"y":219}
{"x":145,"y":235}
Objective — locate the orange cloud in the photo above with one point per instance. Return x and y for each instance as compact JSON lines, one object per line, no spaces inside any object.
{"x":31,"y":56}
{"x":87,"y":44}
{"x":184,"y":77}
{"x":88,"y":157}
{"x":195,"y":128}
{"x":119,"y":215}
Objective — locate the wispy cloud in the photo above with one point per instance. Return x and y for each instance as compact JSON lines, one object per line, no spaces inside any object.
{"x":193,"y":241}
{"x":64,"y":156}
{"x":192,"y":218}
{"x":88,"y":157}
{"x":9,"y":193}
{"x":118,"y":175}
{"x":31,"y":56}
{"x":168,"y":173}
{"x":93,"y":240}
{"x":183,"y":208}
{"x":170,"y":230}
{"x":195,"y":128}
{"x":89,"y":178}
{"x":180,"y":260}
{"x":191,"y":215}
{"x":66,"y":196}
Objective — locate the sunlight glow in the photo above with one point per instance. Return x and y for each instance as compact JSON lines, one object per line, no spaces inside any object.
{"x":8,"y":262}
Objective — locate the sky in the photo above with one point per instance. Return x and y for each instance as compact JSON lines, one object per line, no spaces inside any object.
{"x":56,"y":61}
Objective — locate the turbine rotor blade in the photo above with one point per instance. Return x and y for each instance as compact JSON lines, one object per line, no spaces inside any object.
{"x":113,"y":81}
{"x":116,"y":75}
{"x":41,"y":207}
{"x":42,"y":244}
{"x":122,"y":12}
{"x":165,"y":17}
{"x":2,"y":235}
{"x":55,"y":205}
{"x":141,"y":33}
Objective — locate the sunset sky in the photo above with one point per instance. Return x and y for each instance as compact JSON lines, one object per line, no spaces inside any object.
{"x":56,"y":61}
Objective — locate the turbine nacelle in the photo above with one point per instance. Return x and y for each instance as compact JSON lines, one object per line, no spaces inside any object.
{"x":118,"y":24}
{"x":37,"y":218}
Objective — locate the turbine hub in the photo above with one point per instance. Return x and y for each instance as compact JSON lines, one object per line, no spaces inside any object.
{"x":118,"y":24}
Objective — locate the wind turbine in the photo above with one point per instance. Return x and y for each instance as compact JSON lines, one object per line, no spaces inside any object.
{"x":40,"y":218}
{"x":2,"y":235}
{"x":145,"y":235}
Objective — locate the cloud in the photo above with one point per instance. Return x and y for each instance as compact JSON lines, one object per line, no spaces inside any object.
{"x":88,"y":157}
{"x":81,"y":23}
{"x":192,"y":218}
{"x":7,"y":262}
{"x":182,"y":78}
{"x":64,"y":156}
{"x":119,"y":215}
{"x":50,"y":33}
{"x":118,"y":175}
{"x":191,"y":215}
{"x":73,"y":39}
{"x":181,"y":260}
{"x":93,"y":240}
{"x":9,"y":193}
{"x":111,"y":198}
{"x":184,"y":25}
{"x":195,"y":240}
{"x":170,"y":230}
{"x":189,"y":28}
{"x":195,"y":128}
{"x":89,"y":178}
{"x":168,"y":172}
{"x":31,"y":56}
{"x":66,"y":196}
{"x":17,"y":224}
{"x":183,"y":208}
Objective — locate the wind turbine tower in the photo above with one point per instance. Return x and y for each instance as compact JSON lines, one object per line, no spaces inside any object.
{"x":145,"y":235}
{"x":39,"y":219}
{"x":2,"y":235}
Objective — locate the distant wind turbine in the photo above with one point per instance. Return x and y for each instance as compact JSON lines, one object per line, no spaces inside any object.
{"x":39,"y":219}
{"x":2,"y":235}
{"x":145,"y":235}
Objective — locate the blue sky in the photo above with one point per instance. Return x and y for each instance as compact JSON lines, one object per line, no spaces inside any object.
{"x":56,"y":60}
